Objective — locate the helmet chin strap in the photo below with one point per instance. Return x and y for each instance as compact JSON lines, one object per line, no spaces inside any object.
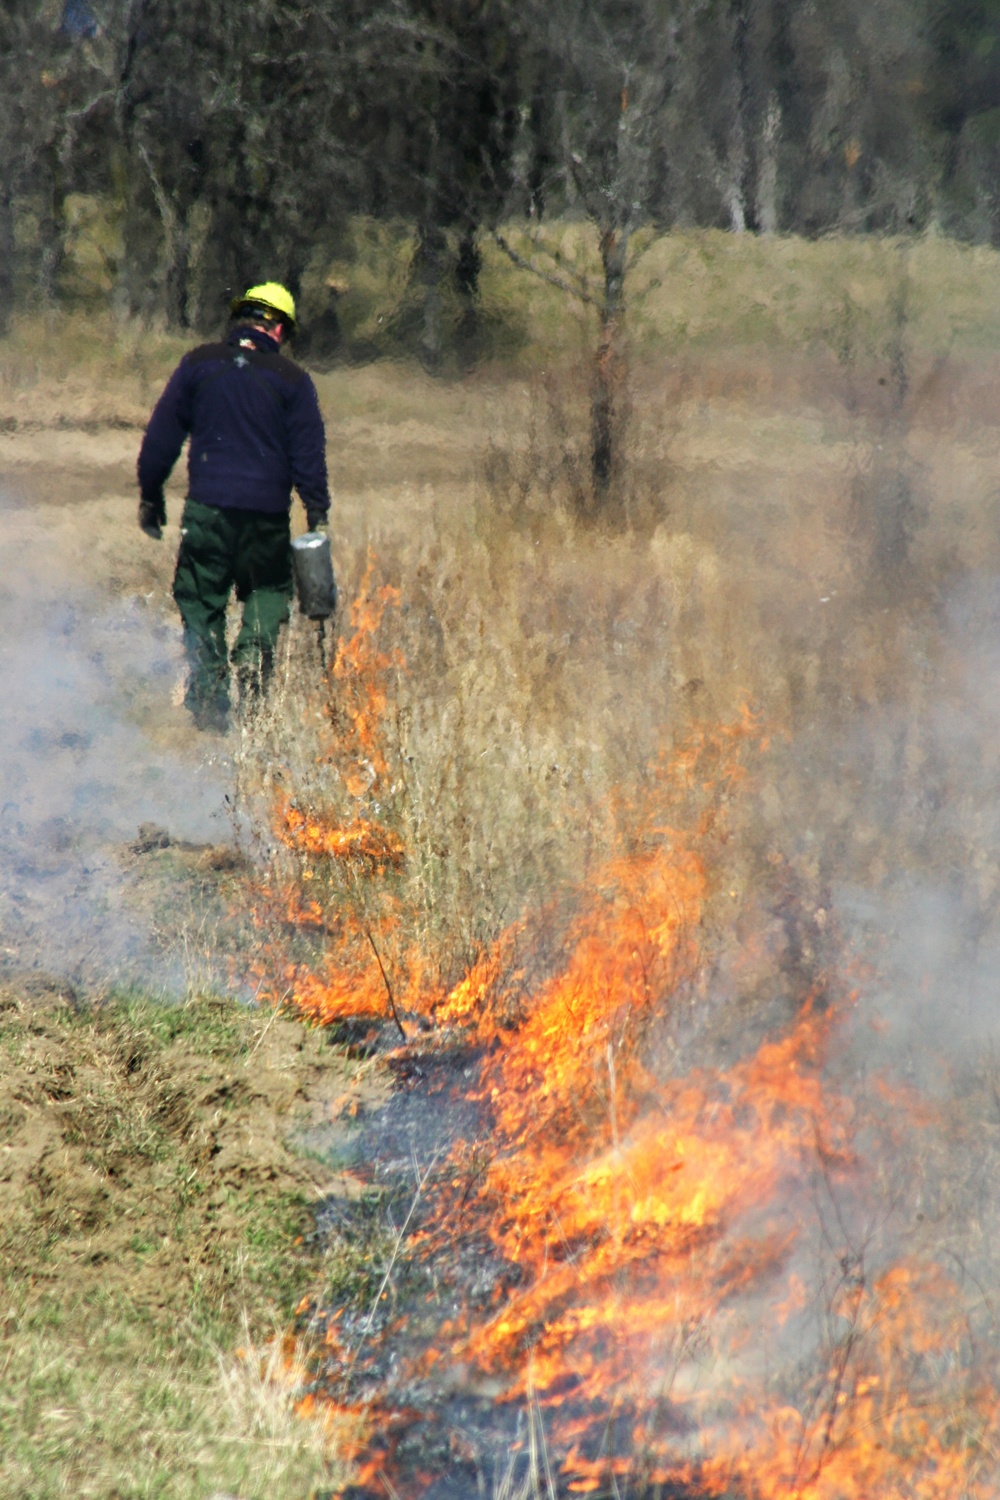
{"x":274,"y":331}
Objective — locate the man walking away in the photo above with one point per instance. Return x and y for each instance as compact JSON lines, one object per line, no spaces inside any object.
{"x":256,"y":430}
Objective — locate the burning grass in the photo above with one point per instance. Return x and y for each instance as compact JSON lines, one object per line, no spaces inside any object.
{"x":666,"y":1147}
{"x":633,"y":1225}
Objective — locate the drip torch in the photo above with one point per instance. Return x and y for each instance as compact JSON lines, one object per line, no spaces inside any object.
{"x":314,"y":582}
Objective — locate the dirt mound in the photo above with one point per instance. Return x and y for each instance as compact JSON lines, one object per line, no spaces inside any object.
{"x":141,"y":1145}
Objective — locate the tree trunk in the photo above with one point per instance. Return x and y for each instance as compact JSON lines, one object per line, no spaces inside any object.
{"x":740,"y":198}
{"x":431,"y":257}
{"x":177,"y":281}
{"x":468,"y":264}
{"x":142,"y":236}
{"x":225,"y":268}
{"x":767,"y":187}
{"x":51,"y":250}
{"x":735,"y":206}
{"x":174,"y":271}
{"x":607,"y":408}
{"x":6,"y":259}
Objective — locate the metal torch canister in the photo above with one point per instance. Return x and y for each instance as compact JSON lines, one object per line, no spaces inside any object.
{"x":314,"y":581}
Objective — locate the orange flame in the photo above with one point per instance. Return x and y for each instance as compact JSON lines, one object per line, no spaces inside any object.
{"x":650,"y":1228}
{"x":361,"y":921}
{"x":360,"y":700}
{"x":363,"y":840}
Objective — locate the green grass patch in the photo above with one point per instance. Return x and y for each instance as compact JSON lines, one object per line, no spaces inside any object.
{"x":153,"y":1224}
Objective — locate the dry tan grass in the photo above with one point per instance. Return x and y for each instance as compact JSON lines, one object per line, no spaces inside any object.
{"x":549,"y":658}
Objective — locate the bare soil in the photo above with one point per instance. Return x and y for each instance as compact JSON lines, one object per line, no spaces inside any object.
{"x":132,"y":1147}
{"x":157,"y":1229}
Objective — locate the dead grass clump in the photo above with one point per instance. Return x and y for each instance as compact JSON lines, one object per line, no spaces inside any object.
{"x":82,"y":372}
{"x":495,"y":804}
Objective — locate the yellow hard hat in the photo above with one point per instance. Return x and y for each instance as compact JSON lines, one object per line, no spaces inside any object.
{"x":270,"y":297}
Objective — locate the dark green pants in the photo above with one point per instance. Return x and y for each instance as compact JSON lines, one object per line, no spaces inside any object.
{"x":250,"y":549}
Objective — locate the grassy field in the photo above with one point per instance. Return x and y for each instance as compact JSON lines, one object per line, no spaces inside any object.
{"x":811,"y":483}
{"x":151,"y":1241}
{"x":810,"y":472}
{"x":702,"y":291}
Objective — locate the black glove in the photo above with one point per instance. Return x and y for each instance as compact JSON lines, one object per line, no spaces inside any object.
{"x":317,"y":520}
{"x":153,"y":516}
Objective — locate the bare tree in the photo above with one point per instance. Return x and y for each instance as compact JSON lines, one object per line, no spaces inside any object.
{"x":444,"y":103}
{"x":249,"y":134}
{"x":58,"y":79}
{"x":615,"y":67}
{"x":35,"y":69}
{"x":230,"y":138}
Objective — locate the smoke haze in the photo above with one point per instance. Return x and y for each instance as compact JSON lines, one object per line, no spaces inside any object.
{"x":79,"y":770}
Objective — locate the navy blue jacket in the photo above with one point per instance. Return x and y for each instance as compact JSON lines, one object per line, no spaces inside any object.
{"x":254,"y":423}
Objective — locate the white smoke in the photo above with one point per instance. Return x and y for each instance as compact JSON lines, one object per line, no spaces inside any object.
{"x":79,"y":774}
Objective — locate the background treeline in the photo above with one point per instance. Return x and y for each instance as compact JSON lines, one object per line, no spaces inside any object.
{"x":223,"y":141}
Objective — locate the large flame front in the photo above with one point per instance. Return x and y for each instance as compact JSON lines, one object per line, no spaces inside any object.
{"x":653,"y":1236}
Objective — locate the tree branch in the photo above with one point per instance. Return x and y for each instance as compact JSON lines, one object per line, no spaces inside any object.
{"x":385,"y":980}
{"x":168,"y":212}
{"x":581,"y":292}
